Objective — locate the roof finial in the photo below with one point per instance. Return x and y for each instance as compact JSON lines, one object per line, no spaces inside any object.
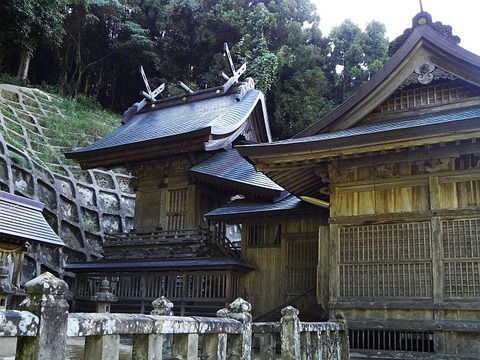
{"x":421,"y":6}
{"x":235,"y":73}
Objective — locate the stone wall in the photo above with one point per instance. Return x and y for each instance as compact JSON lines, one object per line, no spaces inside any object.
{"x":79,"y":205}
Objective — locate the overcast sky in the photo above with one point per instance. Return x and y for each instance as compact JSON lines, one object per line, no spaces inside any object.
{"x":462,"y":15}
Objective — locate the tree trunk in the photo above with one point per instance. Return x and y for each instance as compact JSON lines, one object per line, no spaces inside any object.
{"x":23,"y":65}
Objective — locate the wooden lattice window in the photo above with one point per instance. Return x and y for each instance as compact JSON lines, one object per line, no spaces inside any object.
{"x":436,"y":93}
{"x":391,"y":260}
{"x":461,"y":246}
{"x":261,"y":235}
{"x":301,"y":270}
{"x":177,"y":209}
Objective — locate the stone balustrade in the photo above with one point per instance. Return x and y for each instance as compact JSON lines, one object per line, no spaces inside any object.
{"x":43,"y":327}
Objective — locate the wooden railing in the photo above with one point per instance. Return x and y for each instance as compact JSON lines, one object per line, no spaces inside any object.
{"x":187,"y":290}
{"x":116,"y":245}
{"x":42,"y":330}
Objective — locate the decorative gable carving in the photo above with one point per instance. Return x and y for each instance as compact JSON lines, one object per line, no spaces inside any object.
{"x":425,"y":73}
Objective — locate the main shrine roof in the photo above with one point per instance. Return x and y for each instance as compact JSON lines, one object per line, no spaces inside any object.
{"x":206,"y":120}
{"x":360,"y":132}
{"x":22,"y":219}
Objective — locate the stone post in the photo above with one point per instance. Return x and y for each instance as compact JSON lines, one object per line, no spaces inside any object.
{"x":162,"y":306}
{"x":7,"y":344}
{"x":151,"y":346}
{"x":104,"y":297}
{"x":239,"y":346}
{"x":103,"y":346}
{"x":45,"y":298}
{"x":6,"y":287}
{"x":290,"y":333}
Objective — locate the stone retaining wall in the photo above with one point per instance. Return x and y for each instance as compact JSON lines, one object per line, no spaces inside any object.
{"x":79,"y":205}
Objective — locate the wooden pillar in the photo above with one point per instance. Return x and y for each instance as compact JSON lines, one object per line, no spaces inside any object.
{"x":334,"y":279}
{"x":323,"y":266}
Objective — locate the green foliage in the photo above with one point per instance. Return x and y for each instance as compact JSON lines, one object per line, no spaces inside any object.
{"x":300,"y":101}
{"x":95,"y":48}
{"x":82,"y":122}
{"x":355,"y":55}
{"x":14,"y":80}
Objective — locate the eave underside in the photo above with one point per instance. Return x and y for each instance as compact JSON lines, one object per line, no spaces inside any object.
{"x":136,"y":153}
{"x":310,"y":175}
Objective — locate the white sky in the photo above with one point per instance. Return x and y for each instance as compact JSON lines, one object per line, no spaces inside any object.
{"x":462,"y":15}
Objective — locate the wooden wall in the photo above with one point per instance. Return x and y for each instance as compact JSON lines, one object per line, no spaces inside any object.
{"x":405,"y":246}
{"x":281,"y":271}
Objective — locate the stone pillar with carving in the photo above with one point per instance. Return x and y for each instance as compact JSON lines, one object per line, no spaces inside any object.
{"x":6,"y":287}
{"x":239,"y":346}
{"x":154,"y":346}
{"x":290,"y":333}
{"x":104,"y":297}
{"x":46,"y":299}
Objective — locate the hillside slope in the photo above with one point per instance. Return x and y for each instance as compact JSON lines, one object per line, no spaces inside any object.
{"x":79,"y":205}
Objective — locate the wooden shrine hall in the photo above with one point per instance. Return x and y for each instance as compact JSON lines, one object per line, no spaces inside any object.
{"x":399,"y":164}
{"x":181,"y":152}
{"x":372,"y":213}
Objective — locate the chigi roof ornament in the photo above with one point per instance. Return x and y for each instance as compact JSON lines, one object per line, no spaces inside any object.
{"x":149,"y":96}
{"x":235,"y":73}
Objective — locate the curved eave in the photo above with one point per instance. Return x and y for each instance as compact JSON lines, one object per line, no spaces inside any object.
{"x":240,"y":210}
{"x":237,"y":121}
{"x":141,"y":151}
{"x":312,"y":147}
{"x":422,"y":43}
{"x":236,"y":187}
{"x":297,"y":164}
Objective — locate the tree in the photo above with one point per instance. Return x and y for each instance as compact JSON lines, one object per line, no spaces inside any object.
{"x":299,"y":101}
{"x":102,"y":43}
{"x":355,"y":55}
{"x":24,"y":24}
{"x":103,"y":48}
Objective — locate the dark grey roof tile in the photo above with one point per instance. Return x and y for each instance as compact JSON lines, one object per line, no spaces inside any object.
{"x":22,"y":219}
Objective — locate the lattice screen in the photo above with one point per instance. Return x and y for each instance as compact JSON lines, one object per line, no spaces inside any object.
{"x":461,"y":247}
{"x":439,"y":93}
{"x":177,"y":209}
{"x":391,"y":260}
{"x":301,"y":265}
{"x":399,"y":340}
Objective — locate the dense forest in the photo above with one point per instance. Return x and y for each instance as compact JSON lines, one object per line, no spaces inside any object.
{"x":95,"y":48}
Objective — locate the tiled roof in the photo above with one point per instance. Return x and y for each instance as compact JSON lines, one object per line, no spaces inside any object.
{"x":22,"y":219}
{"x":221,"y":115}
{"x":228,"y":168}
{"x":242,"y":208}
{"x":411,"y":123}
